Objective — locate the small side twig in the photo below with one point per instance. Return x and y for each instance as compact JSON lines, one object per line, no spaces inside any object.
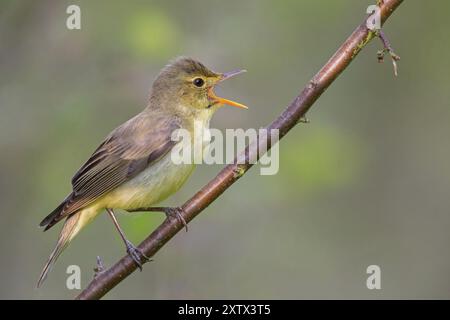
{"x":303,"y":119}
{"x":99,"y":268}
{"x":387,"y":49}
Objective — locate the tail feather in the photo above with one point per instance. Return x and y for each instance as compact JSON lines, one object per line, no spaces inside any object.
{"x":69,"y":230}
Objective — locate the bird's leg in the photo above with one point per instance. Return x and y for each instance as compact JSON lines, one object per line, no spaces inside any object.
{"x":135,"y":253}
{"x":171,"y":212}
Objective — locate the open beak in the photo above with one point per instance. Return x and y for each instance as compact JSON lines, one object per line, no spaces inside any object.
{"x":220,"y":100}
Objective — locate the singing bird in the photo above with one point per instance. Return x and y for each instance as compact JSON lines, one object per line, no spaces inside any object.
{"x":132,"y":169}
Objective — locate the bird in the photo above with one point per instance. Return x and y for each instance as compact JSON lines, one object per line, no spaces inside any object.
{"x":132,"y":168}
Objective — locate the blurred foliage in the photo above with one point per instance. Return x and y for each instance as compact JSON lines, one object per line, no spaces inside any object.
{"x":312,"y":165}
{"x":366,"y":182}
{"x":152,"y":34}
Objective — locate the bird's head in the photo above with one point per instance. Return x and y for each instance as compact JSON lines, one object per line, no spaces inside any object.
{"x":187,"y":83}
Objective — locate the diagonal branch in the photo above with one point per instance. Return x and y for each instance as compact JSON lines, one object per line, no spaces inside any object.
{"x":108,"y":279}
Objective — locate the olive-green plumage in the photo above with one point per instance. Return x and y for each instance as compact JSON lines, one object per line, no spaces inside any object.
{"x":132,"y":167}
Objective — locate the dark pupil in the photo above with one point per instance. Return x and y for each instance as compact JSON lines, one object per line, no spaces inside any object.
{"x":198,"y":82}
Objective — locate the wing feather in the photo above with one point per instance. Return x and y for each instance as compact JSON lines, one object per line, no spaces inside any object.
{"x":126,"y":152}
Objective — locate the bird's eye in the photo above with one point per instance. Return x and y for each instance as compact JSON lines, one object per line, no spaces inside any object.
{"x":199,"y":82}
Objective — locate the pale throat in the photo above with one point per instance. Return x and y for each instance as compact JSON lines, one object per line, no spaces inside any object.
{"x":197,"y":122}
{"x":192,"y":115}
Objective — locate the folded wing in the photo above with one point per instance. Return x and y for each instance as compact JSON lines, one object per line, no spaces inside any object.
{"x":126,"y":152}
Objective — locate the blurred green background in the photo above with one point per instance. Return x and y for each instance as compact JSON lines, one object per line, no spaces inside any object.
{"x":366,"y":182}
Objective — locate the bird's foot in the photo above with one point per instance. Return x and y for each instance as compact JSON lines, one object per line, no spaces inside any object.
{"x":176,"y":213}
{"x":136,"y":254}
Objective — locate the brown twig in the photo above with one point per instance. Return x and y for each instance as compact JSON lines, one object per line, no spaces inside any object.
{"x":108,"y":279}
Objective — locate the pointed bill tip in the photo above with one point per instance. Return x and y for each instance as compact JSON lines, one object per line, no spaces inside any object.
{"x":230,"y":74}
